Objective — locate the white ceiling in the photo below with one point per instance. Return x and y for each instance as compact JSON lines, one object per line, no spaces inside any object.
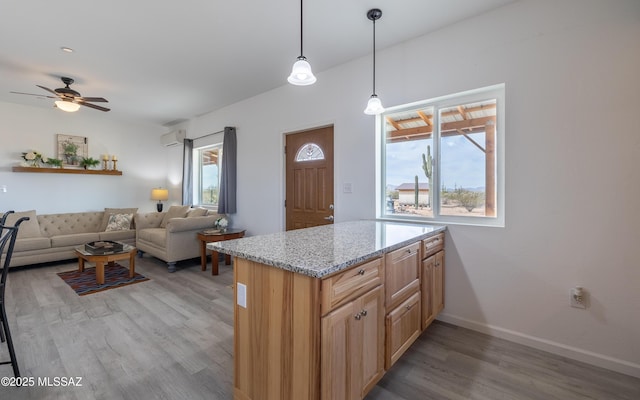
{"x":164,"y":61}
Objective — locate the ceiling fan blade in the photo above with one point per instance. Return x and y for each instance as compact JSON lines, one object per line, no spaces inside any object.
{"x":94,"y":99}
{"x":92,"y":105}
{"x":33,"y":94}
{"x":48,"y":90}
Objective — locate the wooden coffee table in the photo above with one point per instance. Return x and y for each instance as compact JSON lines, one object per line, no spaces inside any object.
{"x":205,"y":238}
{"x":127,"y":252}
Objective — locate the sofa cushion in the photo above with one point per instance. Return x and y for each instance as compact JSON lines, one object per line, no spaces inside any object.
{"x":108,"y":211}
{"x":28,"y":229}
{"x":197,"y":212}
{"x":27,"y":244}
{"x":75,"y":239}
{"x":118,"y":235}
{"x":157,"y":236}
{"x":174,"y":212}
{"x":119,"y":222}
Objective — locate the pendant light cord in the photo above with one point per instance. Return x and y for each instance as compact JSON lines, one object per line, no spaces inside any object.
{"x":374,"y":57}
{"x":301,"y":54}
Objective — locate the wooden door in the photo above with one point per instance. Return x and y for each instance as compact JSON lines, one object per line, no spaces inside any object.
{"x":309,"y":178}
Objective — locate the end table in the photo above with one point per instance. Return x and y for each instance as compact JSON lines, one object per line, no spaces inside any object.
{"x":205,"y":237}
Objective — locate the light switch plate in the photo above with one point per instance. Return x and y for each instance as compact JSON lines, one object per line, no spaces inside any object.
{"x":242,"y":295}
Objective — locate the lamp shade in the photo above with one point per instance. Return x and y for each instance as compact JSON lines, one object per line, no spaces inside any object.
{"x":374,"y":106}
{"x":159,"y":194}
{"x":67,"y":106}
{"x":301,"y":74}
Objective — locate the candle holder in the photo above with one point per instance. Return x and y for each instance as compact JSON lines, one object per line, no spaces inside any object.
{"x":105,"y":165}
{"x":115,"y":165}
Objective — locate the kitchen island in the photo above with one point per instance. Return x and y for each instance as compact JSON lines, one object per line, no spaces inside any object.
{"x":323,"y":312}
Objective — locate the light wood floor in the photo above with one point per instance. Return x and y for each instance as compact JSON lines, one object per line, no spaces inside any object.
{"x":172,"y":338}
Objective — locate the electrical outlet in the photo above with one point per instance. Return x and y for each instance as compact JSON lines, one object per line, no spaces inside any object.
{"x":578,"y":297}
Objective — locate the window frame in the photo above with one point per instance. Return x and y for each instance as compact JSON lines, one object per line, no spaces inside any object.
{"x":490,"y":92}
{"x":197,"y":173}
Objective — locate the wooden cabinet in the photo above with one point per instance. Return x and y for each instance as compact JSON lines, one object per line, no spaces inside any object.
{"x":402,"y":276}
{"x":351,"y":283}
{"x":432,"y":281}
{"x":353,"y":347}
{"x":403,"y":328}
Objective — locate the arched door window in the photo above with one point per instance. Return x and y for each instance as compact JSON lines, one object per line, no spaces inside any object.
{"x":309,"y":152}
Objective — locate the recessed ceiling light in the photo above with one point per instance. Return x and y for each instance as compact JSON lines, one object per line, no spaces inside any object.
{"x":66,"y":49}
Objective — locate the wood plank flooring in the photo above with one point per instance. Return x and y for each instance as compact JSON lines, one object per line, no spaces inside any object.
{"x":172,"y":338}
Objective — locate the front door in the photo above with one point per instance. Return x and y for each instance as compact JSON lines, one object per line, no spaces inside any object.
{"x":309,"y":173}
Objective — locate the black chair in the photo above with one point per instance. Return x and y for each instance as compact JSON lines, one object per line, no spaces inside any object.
{"x":8,"y":236}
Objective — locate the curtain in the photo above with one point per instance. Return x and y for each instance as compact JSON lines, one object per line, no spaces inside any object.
{"x":187,"y":172}
{"x":227,"y":196}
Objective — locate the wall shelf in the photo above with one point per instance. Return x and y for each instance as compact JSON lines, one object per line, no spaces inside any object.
{"x":67,"y":171}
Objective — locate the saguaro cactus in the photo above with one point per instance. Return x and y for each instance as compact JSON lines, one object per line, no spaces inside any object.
{"x":427,"y":166}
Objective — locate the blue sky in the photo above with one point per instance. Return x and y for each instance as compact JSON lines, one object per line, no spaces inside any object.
{"x":463,"y":164}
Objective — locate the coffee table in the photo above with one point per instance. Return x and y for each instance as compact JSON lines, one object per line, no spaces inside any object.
{"x":127,"y":252}
{"x":204,"y":237}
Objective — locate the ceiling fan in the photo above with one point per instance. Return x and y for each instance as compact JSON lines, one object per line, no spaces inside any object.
{"x":70,"y":100}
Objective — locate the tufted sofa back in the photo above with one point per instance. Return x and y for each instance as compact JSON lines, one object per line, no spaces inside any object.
{"x":67,"y":224}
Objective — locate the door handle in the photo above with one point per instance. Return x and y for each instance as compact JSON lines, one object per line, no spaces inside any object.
{"x":329,"y":218}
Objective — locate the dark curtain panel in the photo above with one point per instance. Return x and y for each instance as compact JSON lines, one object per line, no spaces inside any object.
{"x":227,"y":197}
{"x":187,"y":172}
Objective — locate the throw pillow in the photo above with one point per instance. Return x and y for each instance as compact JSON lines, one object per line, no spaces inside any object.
{"x":119,"y":222}
{"x":174,"y":212}
{"x":197,"y":212}
{"x":107,"y":211}
{"x":27,"y":229}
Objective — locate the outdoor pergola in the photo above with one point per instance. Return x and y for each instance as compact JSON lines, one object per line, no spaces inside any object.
{"x":454,"y":121}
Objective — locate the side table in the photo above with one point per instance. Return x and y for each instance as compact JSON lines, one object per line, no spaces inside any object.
{"x":204,"y":237}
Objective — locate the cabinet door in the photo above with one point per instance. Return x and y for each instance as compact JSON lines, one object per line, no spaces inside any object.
{"x":426,"y":286}
{"x":402,"y":274}
{"x":403,"y":328}
{"x":353,"y":347}
{"x":339,"y":348}
{"x":438,"y":283}
{"x":372,"y":322}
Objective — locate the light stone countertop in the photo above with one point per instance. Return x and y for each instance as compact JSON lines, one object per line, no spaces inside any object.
{"x":324,"y":250}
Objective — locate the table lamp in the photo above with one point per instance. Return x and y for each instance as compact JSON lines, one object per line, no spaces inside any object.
{"x":159,"y":194}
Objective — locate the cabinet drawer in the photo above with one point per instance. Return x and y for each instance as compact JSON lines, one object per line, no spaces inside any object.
{"x":402,"y":274}
{"x":432,"y":245}
{"x":402,"y":328}
{"x":347,"y":285}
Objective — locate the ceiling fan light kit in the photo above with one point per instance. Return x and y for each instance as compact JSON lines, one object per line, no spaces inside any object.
{"x":301,"y":74}
{"x":374,"y":105}
{"x":67,"y":105}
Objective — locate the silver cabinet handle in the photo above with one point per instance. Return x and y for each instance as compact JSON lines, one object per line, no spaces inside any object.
{"x":363,"y":312}
{"x":329,"y":218}
{"x":357,"y":316}
{"x":361,"y":272}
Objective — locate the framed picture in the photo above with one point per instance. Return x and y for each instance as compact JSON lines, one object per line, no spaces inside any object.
{"x":72,"y":149}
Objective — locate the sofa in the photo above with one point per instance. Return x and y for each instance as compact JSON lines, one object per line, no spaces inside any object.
{"x":54,"y":237}
{"x":172,"y":235}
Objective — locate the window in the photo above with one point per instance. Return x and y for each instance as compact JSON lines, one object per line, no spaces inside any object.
{"x":206,"y":175}
{"x":441,"y":160}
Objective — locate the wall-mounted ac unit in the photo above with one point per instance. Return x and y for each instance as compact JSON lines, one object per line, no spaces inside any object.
{"x":173,"y":138}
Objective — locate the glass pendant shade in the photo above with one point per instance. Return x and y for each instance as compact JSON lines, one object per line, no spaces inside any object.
{"x":67,"y":106}
{"x":374,"y":106}
{"x":301,"y":74}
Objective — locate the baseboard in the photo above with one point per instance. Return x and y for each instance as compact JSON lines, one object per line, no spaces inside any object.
{"x":598,"y":360}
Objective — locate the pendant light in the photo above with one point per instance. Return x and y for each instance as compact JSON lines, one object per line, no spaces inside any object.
{"x":301,"y":74}
{"x":374,"y":106}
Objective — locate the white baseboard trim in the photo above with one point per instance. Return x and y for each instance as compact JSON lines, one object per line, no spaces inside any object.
{"x":574,"y":353}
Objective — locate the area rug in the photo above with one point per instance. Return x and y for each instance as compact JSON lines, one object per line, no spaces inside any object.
{"x":115,"y":276}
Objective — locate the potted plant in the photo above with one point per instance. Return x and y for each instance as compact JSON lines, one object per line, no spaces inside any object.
{"x":54,"y":162}
{"x":70,"y":151}
{"x":32,"y":158}
{"x":89,"y":162}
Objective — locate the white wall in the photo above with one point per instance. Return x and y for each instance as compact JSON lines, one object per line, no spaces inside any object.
{"x":142,"y":159}
{"x":571,"y":74}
